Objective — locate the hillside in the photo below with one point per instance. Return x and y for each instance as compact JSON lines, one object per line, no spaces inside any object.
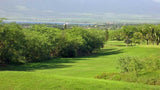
{"x":75,"y":73}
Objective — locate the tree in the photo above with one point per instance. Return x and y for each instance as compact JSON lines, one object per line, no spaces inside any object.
{"x":157,"y":34}
{"x":145,"y":32}
{"x":152,"y":34}
{"x":116,"y":35}
{"x":128,"y":32}
{"x":12,"y":41}
{"x":137,"y":38}
{"x":107,"y":34}
{"x":39,"y":42}
{"x":37,"y":46}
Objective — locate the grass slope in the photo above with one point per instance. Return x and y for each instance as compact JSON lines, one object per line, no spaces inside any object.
{"x":74,"y":73}
{"x":36,"y":81}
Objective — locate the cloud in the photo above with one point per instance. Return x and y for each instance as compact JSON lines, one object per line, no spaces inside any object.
{"x":158,"y":1}
{"x":21,"y":8}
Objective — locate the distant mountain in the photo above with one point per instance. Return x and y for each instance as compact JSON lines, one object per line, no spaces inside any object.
{"x":82,"y":10}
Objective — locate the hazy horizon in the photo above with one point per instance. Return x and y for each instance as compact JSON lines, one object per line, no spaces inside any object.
{"x":81,"y":10}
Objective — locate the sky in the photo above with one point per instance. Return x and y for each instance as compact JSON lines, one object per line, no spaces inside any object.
{"x":36,"y":8}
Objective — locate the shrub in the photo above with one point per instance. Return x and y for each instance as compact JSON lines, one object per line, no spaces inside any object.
{"x":138,"y":65}
{"x":37,"y":43}
{"x":11,"y":44}
{"x":134,"y":69}
{"x":36,"y":46}
{"x":93,"y":39}
{"x":68,"y":44}
{"x":130,"y":64}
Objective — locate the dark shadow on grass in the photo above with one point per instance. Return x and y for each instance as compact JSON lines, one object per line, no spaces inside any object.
{"x":57,"y":62}
{"x":117,"y":45}
{"x":106,"y":52}
{"x":48,"y":64}
{"x":121,"y":45}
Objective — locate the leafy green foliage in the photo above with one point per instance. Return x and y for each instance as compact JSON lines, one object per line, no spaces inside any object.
{"x":11,"y":44}
{"x":137,"y":34}
{"x":128,"y":32}
{"x":129,"y":64}
{"x":37,"y":46}
{"x":39,"y":42}
{"x":79,"y":72}
{"x":139,"y":66}
{"x":137,"y":38}
{"x":116,"y":35}
{"x":133,"y":69}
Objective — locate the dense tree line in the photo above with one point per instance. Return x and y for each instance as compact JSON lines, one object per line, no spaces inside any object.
{"x":150,"y":34}
{"x":39,"y":42}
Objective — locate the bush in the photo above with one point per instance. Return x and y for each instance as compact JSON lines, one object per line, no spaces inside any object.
{"x":151,"y":64}
{"x":134,"y":69}
{"x":11,"y":44}
{"x":37,"y":43}
{"x":130,"y":64}
{"x":69,"y":43}
{"x":116,"y":35}
{"x":93,"y":40}
{"x":139,"y":66}
{"x":37,"y":46}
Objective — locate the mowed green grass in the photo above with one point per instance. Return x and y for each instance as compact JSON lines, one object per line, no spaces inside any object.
{"x":75,"y":73}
